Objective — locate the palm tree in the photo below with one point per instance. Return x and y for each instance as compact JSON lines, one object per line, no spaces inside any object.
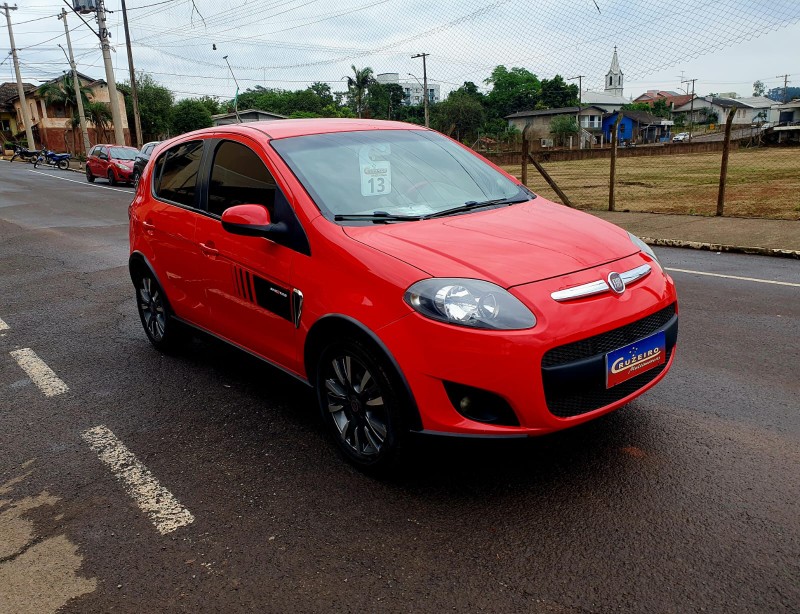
{"x":61,"y":92}
{"x":97,"y":113}
{"x":358,"y":85}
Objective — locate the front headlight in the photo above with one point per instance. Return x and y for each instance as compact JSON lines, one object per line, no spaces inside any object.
{"x":643,"y":246}
{"x":469,"y":302}
{"x":122,"y":166}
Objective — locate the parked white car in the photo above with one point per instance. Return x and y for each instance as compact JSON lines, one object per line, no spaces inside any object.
{"x":680,"y":137}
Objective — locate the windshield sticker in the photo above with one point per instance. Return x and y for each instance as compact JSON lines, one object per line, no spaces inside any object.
{"x":375,"y":170}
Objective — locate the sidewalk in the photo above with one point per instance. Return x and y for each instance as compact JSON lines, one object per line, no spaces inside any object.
{"x":731,"y":234}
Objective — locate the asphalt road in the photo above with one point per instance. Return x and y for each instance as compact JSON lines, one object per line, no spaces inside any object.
{"x":686,"y":500}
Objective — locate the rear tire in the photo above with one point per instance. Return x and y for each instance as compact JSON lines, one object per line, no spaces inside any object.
{"x":89,"y":177}
{"x":155,"y":314}
{"x":112,"y":179}
{"x":361,"y":405}
{"x":63,"y":164}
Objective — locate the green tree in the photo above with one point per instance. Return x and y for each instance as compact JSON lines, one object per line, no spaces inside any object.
{"x":358,"y":85}
{"x":155,"y":106}
{"x":659,"y":108}
{"x":190,"y":114}
{"x":513,"y":90}
{"x":460,"y":116}
{"x":213,"y":106}
{"x":759,"y":88}
{"x":556,"y":93}
{"x":563,"y":126}
{"x":99,"y":115}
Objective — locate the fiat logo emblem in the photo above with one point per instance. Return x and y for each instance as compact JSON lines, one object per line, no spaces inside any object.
{"x":616,"y":283}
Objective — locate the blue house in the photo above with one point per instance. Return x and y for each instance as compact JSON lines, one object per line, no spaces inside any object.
{"x":638,"y":127}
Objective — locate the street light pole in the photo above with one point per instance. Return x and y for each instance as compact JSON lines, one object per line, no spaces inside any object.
{"x":425,"y":84}
{"x":235,"y":98}
{"x":26,"y":118}
{"x":77,"y":82}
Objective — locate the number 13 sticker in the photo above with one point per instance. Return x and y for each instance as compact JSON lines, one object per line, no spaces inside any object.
{"x":376,"y":175}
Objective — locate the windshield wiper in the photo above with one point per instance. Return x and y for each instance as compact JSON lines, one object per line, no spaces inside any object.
{"x":376,"y":217}
{"x":475,"y":204}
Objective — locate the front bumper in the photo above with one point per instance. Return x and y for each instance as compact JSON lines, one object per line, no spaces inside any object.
{"x":545,"y":393}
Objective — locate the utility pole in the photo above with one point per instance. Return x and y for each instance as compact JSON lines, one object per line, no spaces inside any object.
{"x":116,"y":116}
{"x":134,"y":94}
{"x":26,"y":118}
{"x":691,"y":105}
{"x":785,"y":83}
{"x":77,"y":81}
{"x":580,"y":87}
{"x":424,"y":84}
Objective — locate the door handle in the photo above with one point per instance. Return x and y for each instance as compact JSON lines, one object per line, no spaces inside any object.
{"x":209,"y":249}
{"x":148,"y":225}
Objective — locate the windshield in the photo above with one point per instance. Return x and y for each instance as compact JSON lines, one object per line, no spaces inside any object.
{"x":392,"y":173}
{"x":123,"y":153}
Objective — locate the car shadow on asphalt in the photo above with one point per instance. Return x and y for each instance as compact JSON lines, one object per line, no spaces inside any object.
{"x":281,"y":405}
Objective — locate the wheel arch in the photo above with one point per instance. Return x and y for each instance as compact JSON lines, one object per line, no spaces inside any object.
{"x":137,"y":264}
{"x":338,"y":326}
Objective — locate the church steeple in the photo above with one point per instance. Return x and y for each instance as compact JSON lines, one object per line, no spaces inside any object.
{"x":614,"y":77}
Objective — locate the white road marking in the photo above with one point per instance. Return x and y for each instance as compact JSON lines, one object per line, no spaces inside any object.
{"x":86,"y":183}
{"x":164,"y":510}
{"x":761,"y":281}
{"x":40,"y":374}
{"x":3,"y":325}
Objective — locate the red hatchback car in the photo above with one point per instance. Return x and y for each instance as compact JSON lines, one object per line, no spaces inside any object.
{"x":415,"y":285}
{"x":112,"y":162}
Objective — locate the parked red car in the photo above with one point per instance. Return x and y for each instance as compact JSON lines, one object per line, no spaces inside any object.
{"x":113,"y":162}
{"x":415,"y":285}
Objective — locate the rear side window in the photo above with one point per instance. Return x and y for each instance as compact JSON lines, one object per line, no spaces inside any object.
{"x":239,"y":177}
{"x":176,"y":173}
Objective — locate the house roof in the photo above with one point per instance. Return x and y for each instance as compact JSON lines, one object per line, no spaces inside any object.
{"x":640,"y":117}
{"x":559,"y":111}
{"x":8,"y":93}
{"x":757,"y":102}
{"x":249,"y":111}
{"x":600,"y":98}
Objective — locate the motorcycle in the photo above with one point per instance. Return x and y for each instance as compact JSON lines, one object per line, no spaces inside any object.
{"x":27,"y":155}
{"x":52,"y":158}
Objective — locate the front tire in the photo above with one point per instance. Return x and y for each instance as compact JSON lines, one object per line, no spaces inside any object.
{"x":89,"y":177}
{"x":155,"y":313}
{"x":360,"y":405}
{"x":112,"y":179}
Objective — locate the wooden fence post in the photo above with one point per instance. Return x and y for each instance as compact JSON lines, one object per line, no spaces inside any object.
{"x":550,"y":181}
{"x":723,"y":172}
{"x":613,"y":176}
{"x":525,"y":150}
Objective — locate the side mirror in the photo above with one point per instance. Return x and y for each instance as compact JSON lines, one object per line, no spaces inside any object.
{"x":251,"y":221}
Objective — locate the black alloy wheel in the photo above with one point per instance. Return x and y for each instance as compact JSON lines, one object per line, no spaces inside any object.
{"x":360,"y":406}
{"x":154,"y":312}
{"x":89,"y":177}
{"x":112,"y":179}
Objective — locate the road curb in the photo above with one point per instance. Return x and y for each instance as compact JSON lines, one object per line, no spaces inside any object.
{"x":720,"y":247}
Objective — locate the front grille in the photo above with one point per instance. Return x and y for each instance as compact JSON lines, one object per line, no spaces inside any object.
{"x":566,"y":404}
{"x":611,"y":340}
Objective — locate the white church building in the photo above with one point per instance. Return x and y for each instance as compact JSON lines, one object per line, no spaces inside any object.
{"x":611,"y":98}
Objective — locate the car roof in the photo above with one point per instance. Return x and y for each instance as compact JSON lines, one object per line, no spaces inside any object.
{"x":284,"y":128}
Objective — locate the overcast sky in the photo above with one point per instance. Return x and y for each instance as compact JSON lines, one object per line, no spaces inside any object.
{"x":724,"y":44}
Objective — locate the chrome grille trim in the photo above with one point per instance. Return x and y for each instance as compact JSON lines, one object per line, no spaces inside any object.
{"x":600,"y":286}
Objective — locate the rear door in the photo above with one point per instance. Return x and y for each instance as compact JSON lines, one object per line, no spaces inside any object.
{"x":249,"y":288}
{"x":169,"y":222}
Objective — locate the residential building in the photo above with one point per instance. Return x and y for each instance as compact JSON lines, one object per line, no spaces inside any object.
{"x":248,"y":115}
{"x":750,"y":110}
{"x":789,"y":113}
{"x":638,"y":127}
{"x":9,"y":129}
{"x":673,"y":99}
{"x":412,"y":89}
{"x":52,"y":127}
{"x":589,"y":119}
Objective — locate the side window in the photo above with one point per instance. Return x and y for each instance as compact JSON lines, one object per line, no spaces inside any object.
{"x":177,"y":173}
{"x":239,"y":177}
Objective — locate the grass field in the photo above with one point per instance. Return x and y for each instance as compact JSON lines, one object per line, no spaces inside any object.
{"x":762,"y":182}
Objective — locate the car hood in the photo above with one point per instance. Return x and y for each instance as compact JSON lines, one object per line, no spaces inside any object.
{"x":508,"y":246}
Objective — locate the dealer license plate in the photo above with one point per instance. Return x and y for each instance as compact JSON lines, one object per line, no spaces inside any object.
{"x":634,"y":359}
